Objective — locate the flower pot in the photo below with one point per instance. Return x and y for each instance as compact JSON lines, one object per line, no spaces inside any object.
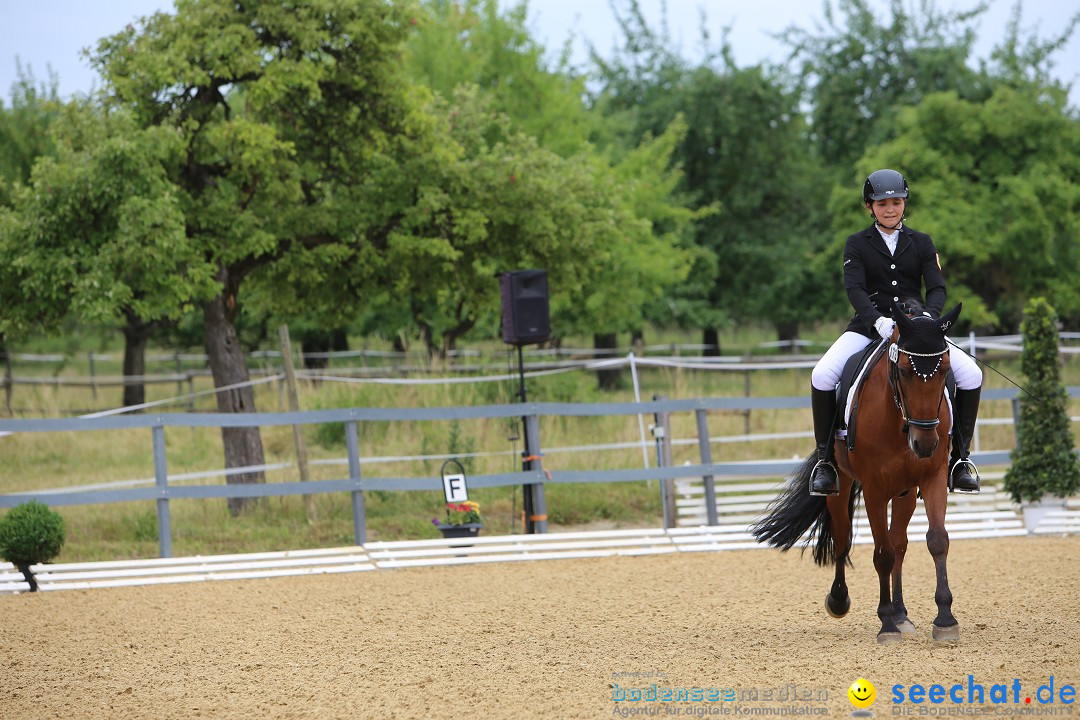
{"x":468,"y":530}
{"x":1034,"y":511}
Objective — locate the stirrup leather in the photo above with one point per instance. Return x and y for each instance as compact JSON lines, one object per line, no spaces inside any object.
{"x":836,"y":474}
{"x":974,"y":472}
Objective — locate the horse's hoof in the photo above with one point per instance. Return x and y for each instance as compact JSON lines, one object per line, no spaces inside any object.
{"x":888,"y":638}
{"x":947,"y":634}
{"x":837,"y":613}
{"x":906,"y":626}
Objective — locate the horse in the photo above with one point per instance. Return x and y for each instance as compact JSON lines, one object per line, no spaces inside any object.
{"x":902,"y":448}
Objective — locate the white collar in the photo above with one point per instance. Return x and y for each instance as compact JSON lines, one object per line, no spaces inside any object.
{"x":889,"y":236}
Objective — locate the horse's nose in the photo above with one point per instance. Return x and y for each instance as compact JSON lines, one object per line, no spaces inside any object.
{"x":924,"y":447}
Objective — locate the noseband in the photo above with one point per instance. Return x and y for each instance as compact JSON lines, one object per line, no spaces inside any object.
{"x":898,"y":388}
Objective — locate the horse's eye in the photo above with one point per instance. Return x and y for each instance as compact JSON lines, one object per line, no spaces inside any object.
{"x":905,"y":371}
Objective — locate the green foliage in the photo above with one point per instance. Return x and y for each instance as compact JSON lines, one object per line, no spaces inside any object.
{"x":24,"y":128}
{"x":472,"y":42}
{"x":31,"y":533}
{"x":860,"y":70}
{"x":740,"y":159}
{"x":1044,"y":461}
{"x":99,"y":230}
{"x":997,"y":185}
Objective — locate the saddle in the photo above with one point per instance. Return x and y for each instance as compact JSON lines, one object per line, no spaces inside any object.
{"x":849,"y":389}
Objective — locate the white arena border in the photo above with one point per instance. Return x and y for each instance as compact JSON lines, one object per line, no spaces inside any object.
{"x":461,"y":551}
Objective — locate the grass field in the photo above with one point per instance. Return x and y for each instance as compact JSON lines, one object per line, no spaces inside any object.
{"x":40,"y":461}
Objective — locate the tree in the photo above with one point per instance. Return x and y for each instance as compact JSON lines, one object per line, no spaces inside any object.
{"x":473,"y":42}
{"x":31,"y":533}
{"x":281,"y":112}
{"x":1044,"y":462}
{"x":859,"y":70}
{"x":741,"y":160}
{"x":995,"y":184}
{"x":24,"y":128}
{"x":476,"y":197}
{"x":98,"y":232}
{"x":24,"y":136}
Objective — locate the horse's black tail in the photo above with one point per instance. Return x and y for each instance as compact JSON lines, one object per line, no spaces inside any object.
{"x":795,"y":511}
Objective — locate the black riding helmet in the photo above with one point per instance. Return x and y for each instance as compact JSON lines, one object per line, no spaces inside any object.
{"x":884,"y":184}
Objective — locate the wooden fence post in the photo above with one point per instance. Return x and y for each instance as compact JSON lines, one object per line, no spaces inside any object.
{"x":294,"y":406}
{"x":93,"y":378}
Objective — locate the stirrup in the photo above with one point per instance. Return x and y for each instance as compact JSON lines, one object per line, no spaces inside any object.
{"x":836,"y":474}
{"x":974,"y":473}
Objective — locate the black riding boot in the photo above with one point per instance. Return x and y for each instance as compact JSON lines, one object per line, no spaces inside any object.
{"x":963,"y":475}
{"x":823,"y":478}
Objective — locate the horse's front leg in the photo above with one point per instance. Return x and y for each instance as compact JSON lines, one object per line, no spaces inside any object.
{"x":838,"y":602}
{"x":902,"y":510}
{"x":884,"y":557}
{"x":937,"y":541}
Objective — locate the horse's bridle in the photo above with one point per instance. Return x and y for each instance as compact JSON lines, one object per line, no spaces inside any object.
{"x":898,"y":389}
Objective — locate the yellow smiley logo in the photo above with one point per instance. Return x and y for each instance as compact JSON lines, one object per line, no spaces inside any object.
{"x":862,"y":693}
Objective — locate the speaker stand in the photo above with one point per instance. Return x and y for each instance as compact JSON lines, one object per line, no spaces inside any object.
{"x":534,"y":506}
{"x":526,"y":451}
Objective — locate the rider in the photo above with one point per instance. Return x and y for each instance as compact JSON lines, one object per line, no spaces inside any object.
{"x":883,"y":263}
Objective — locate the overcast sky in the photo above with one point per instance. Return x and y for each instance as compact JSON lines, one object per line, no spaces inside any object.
{"x":51,"y":33}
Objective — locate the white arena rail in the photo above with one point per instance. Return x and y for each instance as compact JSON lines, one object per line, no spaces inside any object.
{"x":463,"y":551}
{"x":990,"y":513}
{"x":11,"y":580}
{"x":153,"y":571}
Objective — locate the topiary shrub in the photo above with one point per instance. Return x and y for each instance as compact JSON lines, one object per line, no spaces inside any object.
{"x":30,"y":533}
{"x":1044,"y":461}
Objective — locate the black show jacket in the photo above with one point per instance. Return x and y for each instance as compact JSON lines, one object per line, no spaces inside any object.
{"x":874,"y":279}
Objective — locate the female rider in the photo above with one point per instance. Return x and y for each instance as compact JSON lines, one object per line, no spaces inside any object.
{"x":883,"y":263}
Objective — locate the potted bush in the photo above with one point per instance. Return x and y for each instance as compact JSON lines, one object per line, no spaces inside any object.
{"x":30,"y":534}
{"x":1044,"y":464}
{"x":462,"y":520}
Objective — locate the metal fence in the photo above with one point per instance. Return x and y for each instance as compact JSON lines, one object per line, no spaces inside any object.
{"x":532,"y":478}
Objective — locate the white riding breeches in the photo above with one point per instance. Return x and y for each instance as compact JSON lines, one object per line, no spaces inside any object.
{"x":826,"y":373}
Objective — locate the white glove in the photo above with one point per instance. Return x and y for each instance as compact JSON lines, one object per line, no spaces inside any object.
{"x":885,"y":326}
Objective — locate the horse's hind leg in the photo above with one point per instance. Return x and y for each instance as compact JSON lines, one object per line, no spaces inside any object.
{"x":902,"y":509}
{"x":838,"y":602}
{"x":937,"y":541}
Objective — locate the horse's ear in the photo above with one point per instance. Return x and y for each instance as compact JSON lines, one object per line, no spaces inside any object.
{"x":949,"y":318}
{"x":902,"y":320}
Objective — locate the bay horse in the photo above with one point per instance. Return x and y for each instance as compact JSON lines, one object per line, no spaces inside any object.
{"x":903,"y":434}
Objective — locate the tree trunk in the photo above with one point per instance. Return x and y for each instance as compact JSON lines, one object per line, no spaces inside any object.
{"x":637,"y":342}
{"x":449,"y":338}
{"x":6,"y":359}
{"x":710,"y":338}
{"x":322,"y":341}
{"x":608,"y":378}
{"x":24,"y":568}
{"x":243,"y":445}
{"x":788,"y":332}
{"x":136,"y":334}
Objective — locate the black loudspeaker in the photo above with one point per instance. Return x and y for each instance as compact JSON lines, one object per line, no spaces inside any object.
{"x":526,"y":318}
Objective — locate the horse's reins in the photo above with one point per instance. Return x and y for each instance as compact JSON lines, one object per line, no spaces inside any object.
{"x":988,"y":365}
{"x":898,"y":388}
